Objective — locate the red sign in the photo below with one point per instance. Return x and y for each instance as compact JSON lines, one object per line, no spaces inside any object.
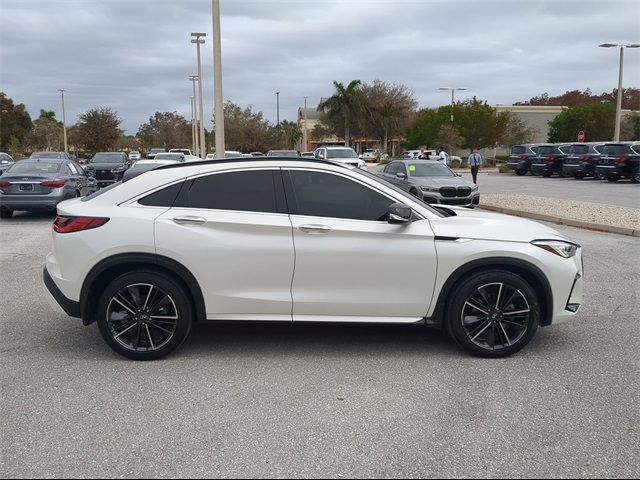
{"x":581,"y":136}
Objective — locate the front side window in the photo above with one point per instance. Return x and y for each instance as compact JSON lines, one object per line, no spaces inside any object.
{"x":250,"y":191}
{"x":320,"y":194}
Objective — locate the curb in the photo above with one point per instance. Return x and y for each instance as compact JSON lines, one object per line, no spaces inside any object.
{"x":564,"y":221}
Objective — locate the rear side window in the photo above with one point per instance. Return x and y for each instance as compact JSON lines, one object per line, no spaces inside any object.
{"x":518,"y":150}
{"x":249,"y":191}
{"x":163,"y":197}
{"x":615,"y":149}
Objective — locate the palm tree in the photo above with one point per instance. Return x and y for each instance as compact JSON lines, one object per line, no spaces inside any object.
{"x":344,"y":103}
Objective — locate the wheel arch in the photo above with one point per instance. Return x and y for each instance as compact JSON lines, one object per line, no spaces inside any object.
{"x":529,"y":272}
{"x":111,"y":267}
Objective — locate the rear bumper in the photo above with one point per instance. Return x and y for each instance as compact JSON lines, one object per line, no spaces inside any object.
{"x":585,"y":168}
{"x":616,"y":170}
{"x":56,"y":298}
{"x":520,"y":165}
{"x":36,"y":202}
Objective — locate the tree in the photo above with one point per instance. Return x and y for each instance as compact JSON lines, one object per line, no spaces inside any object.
{"x":165,"y":129}
{"x":291,"y":133}
{"x":15,"y":122}
{"x":246,"y":130}
{"x":450,"y":138}
{"x":98,"y":129}
{"x":516,"y":132}
{"x":478,"y":123}
{"x":47,"y":132}
{"x":630,"y":98}
{"x":344,"y":105}
{"x":388,"y":109}
{"x":596,"y":120}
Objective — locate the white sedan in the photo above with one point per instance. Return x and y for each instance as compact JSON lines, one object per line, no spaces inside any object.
{"x":293,"y":240}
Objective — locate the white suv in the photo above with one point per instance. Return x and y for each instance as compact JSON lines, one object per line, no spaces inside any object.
{"x":303,"y":241}
{"x":346,"y":155}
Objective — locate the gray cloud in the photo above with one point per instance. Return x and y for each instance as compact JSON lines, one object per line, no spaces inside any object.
{"x":135,"y":56}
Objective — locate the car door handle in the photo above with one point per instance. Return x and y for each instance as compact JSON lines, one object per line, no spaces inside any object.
{"x":314,"y":228}
{"x":189,"y":220}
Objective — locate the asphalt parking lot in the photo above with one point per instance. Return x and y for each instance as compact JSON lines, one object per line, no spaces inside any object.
{"x":320,"y":401}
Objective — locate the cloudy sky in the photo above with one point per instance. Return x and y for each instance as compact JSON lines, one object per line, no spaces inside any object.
{"x":135,"y":56}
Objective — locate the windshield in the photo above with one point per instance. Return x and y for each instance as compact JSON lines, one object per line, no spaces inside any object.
{"x":46,"y":155}
{"x":430,"y":170}
{"x":398,"y":191}
{"x":341,"y":153}
{"x":178,"y":157}
{"x":107,"y":158}
{"x":34,"y":168}
{"x":615,"y":149}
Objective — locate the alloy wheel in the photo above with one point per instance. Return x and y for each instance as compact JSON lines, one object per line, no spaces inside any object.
{"x":495,"y":316}
{"x":142,"y":317}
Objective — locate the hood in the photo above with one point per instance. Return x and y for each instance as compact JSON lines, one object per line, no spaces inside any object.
{"x":483,"y":225}
{"x":441,"y":181}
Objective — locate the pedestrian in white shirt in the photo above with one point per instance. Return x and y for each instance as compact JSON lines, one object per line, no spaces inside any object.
{"x":475,"y":161}
{"x":444,"y":158}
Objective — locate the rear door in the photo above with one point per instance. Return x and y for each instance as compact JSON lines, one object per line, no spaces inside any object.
{"x":232,"y":231}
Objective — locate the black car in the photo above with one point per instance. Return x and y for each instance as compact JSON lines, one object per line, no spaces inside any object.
{"x":107,"y":166}
{"x":520,"y":157}
{"x":42,"y":183}
{"x":619,"y":160}
{"x":582,"y":159}
{"x":549,"y":159}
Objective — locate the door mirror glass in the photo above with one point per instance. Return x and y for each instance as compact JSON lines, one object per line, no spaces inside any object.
{"x":399,"y":213}
{"x":401,"y":175}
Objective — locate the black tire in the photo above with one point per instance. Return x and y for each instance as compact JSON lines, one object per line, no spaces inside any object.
{"x":612,"y":178}
{"x":635,"y":175}
{"x":546,"y":174}
{"x":126,"y":319}
{"x":6,"y":213}
{"x":478,"y":326}
{"x":520,"y":172}
{"x":578,"y":176}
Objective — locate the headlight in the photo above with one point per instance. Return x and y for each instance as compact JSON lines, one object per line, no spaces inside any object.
{"x":564,"y":249}
{"x":429,"y":189}
{"x":474,"y":188}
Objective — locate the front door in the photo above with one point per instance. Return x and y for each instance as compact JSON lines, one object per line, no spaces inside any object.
{"x":351,"y":264}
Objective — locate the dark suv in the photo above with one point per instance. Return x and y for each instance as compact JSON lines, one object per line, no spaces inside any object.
{"x":520,"y":157}
{"x":619,"y":160}
{"x":582,"y":159}
{"x":101,"y":165}
{"x":549,"y":159}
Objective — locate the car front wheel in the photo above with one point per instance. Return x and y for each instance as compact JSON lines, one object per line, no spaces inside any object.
{"x":144,"y":315}
{"x":493,"y":314}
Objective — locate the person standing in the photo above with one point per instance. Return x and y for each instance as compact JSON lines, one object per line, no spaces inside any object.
{"x":475,"y":161}
{"x":444,"y":158}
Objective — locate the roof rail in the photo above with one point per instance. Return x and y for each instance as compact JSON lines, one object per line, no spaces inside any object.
{"x":246,"y":159}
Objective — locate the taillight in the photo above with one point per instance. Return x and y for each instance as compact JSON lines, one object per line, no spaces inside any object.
{"x":523,"y":157}
{"x":53,"y":183}
{"x":551,"y":157}
{"x":63,"y":224}
{"x":585,"y":159}
{"x":622,"y":159}
{"x":5,"y":184}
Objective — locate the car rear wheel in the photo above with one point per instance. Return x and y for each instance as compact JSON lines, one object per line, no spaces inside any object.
{"x":613,"y":178}
{"x":635,"y":175}
{"x":578,"y":176}
{"x":546,"y":174}
{"x":6,"y":213}
{"x":144,"y":315}
{"x":520,"y":172}
{"x":493,"y":314}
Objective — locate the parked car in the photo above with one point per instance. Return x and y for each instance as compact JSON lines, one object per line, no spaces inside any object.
{"x":620,"y":160}
{"x":346,"y":155}
{"x":108,"y":167}
{"x":172,"y":157}
{"x":232,"y":154}
{"x":134,"y":155}
{"x":41,"y":184}
{"x":301,"y":240}
{"x":154,"y":151}
{"x":520,"y":158}
{"x":582,"y":159}
{"x":145,"y":165}
{"x":427,"y":154}
{"x":431,"y":181}
{"x":6,"y":161}
{"x":549,"y":159}
{"x":307,"y":155}
{"x":256,"y":154}
{"x":185,"y":151}
{"x":283,"y":153}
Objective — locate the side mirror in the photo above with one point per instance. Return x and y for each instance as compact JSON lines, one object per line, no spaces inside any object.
{"x":320,"y":155}
{"x":92,"y":182}
{"x":399,"y":213}
{"x":401,"y":175}
{"x":459,"y":174}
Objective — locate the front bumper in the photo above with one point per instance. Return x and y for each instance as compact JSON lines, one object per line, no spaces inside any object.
{"x":437,"y":199}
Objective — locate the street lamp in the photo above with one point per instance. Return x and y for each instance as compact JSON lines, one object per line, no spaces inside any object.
{"x":616,"y":135}
{"x":198,"y":40}
{"x":452,"y":92}
{"x":64,"y":123}
{"x":278,"y":108}
{"x":196,"y":150}
{"x":217,"y":79}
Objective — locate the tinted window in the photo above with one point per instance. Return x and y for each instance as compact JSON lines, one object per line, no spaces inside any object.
{"x":518,"y":150}
{"x":615,"y":149}
{"x":252,"y":191}
{"x":163,"y":197}
{"x":327,"y":195}
{"x":546,"y":150}
{"x":35,"y":168}
{"x":393,"y":168}
{"x":107,"y":158}
{"x":341,"y":153}
{"x":579,"y":149}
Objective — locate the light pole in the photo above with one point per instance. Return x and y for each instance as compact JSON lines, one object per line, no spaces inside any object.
{"x":616,"y":135}
{"x":196,"y":150}
{"x":305,"y":123}
{"x":217,"y":79}
{"x":193,"y":125}
{"x":278,"y":108}
{"x":64,"y":123}
{"x":452,"y":98}
{"x":198,"y":40}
